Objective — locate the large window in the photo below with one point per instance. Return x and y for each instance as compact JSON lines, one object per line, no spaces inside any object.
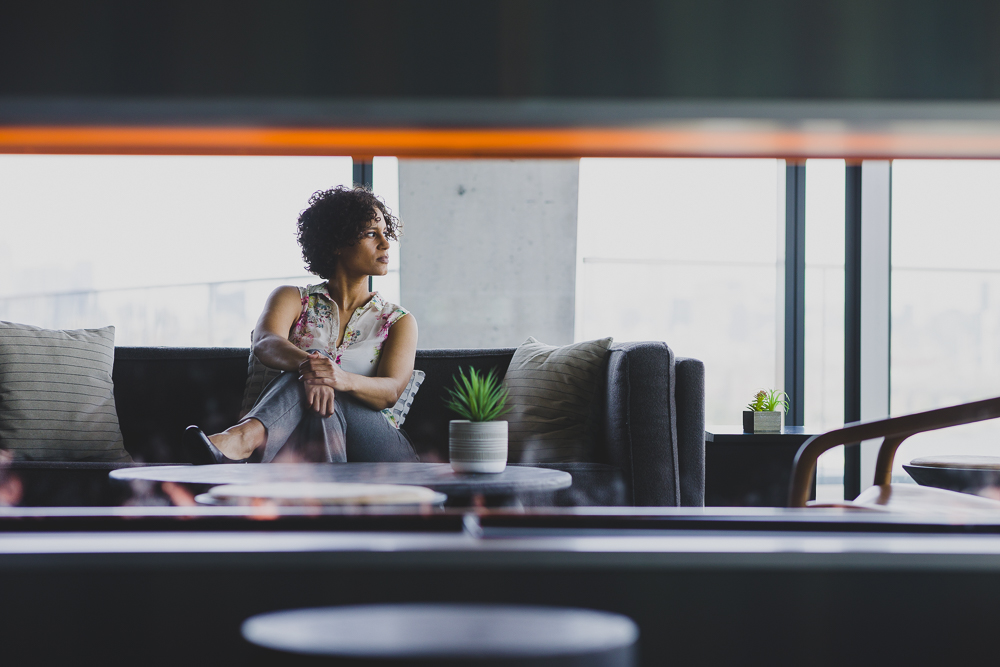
{"x":945,"y":298}
{"x":689,"y":252}
{"x":692,"y":252}
{"x":172,"y":250}
{"x":824,"y":336}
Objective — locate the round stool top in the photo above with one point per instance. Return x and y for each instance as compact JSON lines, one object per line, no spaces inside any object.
{"x":446,"y":632}
{"x":324,"y":493}
{"x":957,"y":461}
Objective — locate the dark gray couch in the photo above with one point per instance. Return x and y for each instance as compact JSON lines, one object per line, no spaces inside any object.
{"x":649,"y":413}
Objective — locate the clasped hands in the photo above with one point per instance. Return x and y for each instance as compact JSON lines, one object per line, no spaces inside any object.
{"x":321,"y":378}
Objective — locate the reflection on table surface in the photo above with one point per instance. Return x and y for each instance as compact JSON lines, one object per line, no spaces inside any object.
{"x":437,"y":476}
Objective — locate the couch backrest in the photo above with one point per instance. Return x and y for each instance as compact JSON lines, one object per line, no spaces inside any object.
{"x":161,"y":390}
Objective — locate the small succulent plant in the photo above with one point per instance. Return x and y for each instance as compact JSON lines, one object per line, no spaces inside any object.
{"x":476,"y":397}
{"x":767,"y":400}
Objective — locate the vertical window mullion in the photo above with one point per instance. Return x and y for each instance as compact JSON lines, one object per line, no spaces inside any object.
{"x":363,"y":178}
{"x":852,"y":325}
{"x":795,"y":278}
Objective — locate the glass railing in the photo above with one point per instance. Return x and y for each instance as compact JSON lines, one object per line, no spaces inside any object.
{"x":945,"y":350}
{"x":204,"y":314}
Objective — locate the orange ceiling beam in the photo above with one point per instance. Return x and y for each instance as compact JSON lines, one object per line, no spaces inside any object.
{"x":694,"y":139}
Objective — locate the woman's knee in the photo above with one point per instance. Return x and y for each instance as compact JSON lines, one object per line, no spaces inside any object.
{"x":287,"y":381}
{"x":282,"y":395}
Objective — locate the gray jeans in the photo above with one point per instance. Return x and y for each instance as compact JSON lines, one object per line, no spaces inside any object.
{"x":354,"y":432}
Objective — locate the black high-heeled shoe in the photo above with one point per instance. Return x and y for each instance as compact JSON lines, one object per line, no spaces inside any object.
{"x":202,"y":451}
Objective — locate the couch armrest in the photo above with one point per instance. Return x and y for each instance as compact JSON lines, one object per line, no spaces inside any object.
{"x":689,"y":397}
{"x":654,"y":425}
{"x":640,"y":428}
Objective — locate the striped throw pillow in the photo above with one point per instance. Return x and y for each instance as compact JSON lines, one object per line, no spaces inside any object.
{"x":552,"y":391}
{"x":57,"y":401}
{"x":398,"y":412}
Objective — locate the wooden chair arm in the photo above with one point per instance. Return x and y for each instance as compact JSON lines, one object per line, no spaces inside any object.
{"x":893,"y":430}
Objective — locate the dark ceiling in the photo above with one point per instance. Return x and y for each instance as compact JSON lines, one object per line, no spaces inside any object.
{"x":494,"y":49}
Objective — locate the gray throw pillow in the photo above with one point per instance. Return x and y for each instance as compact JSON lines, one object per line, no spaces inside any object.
{"x":57,"y":401}
{"x":551,"y":396}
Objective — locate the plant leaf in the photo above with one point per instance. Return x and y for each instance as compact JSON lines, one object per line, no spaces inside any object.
{"x":477,"y":396}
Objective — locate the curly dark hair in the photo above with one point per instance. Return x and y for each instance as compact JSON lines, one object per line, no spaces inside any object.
{"x":337,"y":218}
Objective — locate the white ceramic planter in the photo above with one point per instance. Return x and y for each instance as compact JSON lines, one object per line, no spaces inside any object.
{"x":477,"y":446}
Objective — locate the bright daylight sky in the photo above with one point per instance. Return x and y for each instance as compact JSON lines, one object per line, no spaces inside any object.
{"x":946,"y":213}
{"x":99,"y":222}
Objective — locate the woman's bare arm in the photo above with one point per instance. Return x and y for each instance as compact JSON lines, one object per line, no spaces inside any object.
{"x":394,"y":369}
{"x":270,"y":336}
{"x":272,"y":347}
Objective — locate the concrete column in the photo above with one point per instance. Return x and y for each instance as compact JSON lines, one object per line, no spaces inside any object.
{"x":488,"y":255}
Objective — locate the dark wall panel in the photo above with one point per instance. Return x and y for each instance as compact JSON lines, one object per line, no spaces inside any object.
{"x":171,"y":610}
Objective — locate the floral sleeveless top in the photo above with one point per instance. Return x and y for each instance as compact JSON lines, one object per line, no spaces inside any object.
{"x":319,"y":325}
{"x":317,"y":329}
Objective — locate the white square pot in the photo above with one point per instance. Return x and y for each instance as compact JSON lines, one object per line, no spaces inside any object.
{"x":767,"y":422}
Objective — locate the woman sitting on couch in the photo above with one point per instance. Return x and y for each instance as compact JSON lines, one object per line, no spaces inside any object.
{"x":346,"y":353}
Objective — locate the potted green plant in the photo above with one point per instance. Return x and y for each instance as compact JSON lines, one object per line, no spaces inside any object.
{"x":478,"y":442}
{"x":761,"y":415}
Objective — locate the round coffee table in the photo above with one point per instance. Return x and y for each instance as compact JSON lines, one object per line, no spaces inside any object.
{"x":437,"y":476}
{"x":451,"y":634}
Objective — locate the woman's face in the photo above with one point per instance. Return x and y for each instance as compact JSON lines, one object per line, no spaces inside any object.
{"x":370,"y":256}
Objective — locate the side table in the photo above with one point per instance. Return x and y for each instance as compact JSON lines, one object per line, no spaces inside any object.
{"x":751,"y":469}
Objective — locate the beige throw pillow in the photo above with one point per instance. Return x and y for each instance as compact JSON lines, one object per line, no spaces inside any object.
{"x":57,"y":401}
{"x":552,"y":391}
